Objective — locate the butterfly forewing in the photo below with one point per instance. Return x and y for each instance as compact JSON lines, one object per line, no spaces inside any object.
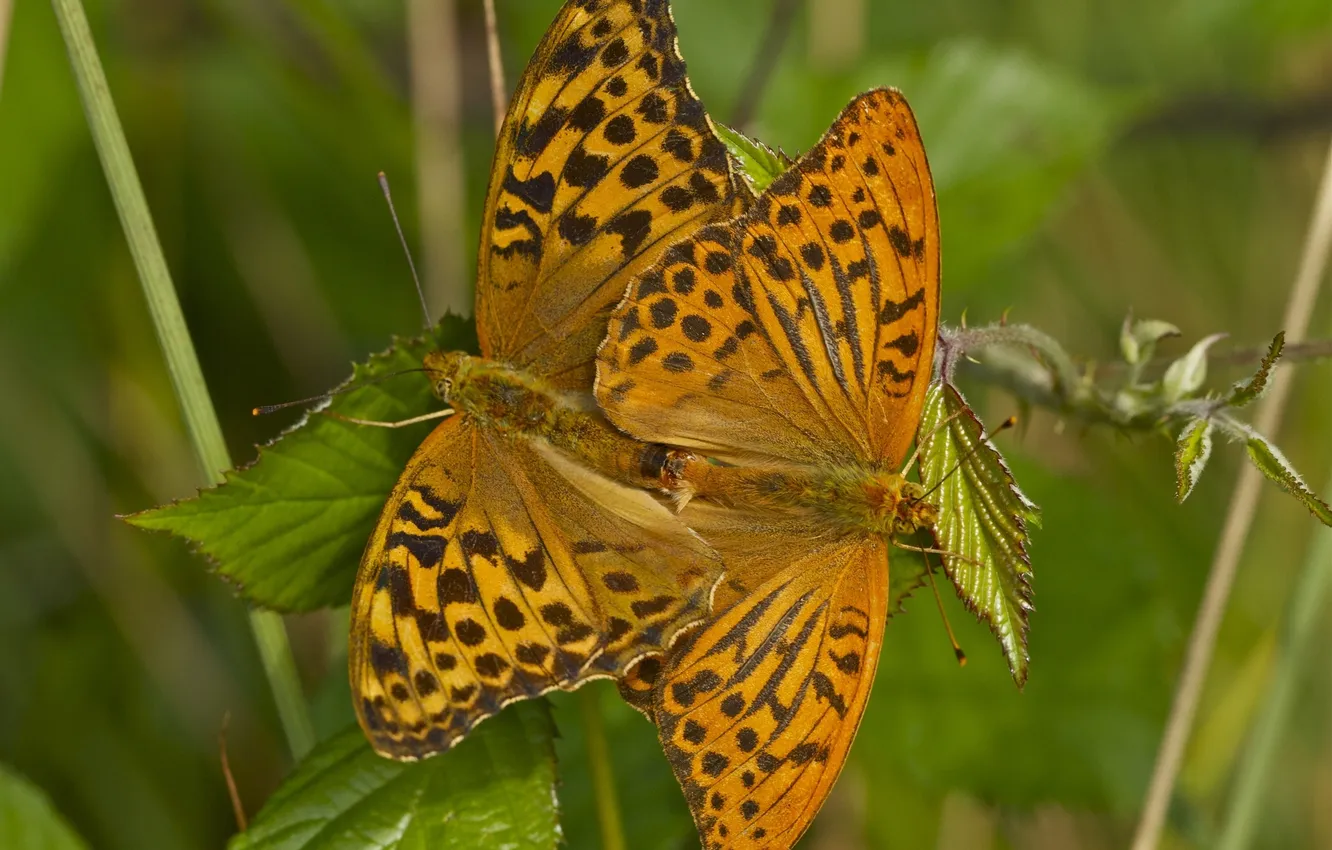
{"x":797,"y":331}
{"x":757,"y":711}
{"x":501,"y":571}
{"x":605,"y":157}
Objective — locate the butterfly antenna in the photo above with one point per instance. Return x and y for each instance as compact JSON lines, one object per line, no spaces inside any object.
{"x":420,"y":292}
{"x":1002,"y":426}
{"x":921,"y":443}
{"x":948,"y":627}
{"x":264,"y":410}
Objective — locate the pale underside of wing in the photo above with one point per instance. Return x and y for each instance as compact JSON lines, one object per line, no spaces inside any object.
{"x":803,"y":330}
{"x":606,"y":156}
{"x":500,"y":571}
{"x":757,"y":710}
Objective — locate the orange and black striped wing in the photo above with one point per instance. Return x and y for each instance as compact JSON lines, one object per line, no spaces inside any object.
{"x":606,"y":156}
{"x":803,"y":330}
{"x":501,"y":570}
{"x":758,"y":709}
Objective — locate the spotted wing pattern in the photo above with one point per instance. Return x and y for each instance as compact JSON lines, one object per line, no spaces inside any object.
{"x":757,"y":711}
{"x":501,"y":570}
{"x":605,"y":157}
{"x":804,"y":330}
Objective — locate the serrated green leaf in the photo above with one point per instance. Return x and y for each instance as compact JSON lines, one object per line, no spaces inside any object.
{"x":28,"y":820}
{"x":1185,"y":376}
{"x":982,"y":518}
{"x":759,"y":164}
{"x":289,"y":529}
{"x":1138,"y":338}
{"x":1272,"y":463}
{"x":1192,"y":450}
{"x":1246,"y":391}
{"x":495,"y":789}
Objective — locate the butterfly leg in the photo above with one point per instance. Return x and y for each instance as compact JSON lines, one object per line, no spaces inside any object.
{"x":963,"y":558}
{"x":402,"y":423}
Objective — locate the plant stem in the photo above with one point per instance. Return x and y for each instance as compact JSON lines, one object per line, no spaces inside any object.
{"x":6,"y":18}
{"x":173,"y":335}
{"x":1308,"y":601}
{"x":498,"y":93}
{"x":775,"y":35}
{"x":1239,"y":518}
{"x":437,"y":93}
{"x":603,"y":774}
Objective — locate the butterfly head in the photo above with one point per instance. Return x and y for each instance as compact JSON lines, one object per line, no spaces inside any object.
{"x":895,"y":505}
{"x":447,"y":370}
{"x":912,"y":512}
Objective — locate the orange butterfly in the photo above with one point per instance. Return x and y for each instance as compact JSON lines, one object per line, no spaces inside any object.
{"x":518,"y":552}
{"x":793,"y":344}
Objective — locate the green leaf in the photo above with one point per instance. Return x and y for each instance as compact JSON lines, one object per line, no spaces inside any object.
{"x":1185,"y":376}
{"x":28,"y":820}
{"x":1272,"y":463}
{"x":1138,"y":338}
{"x":495,"y":789}
{"x":1246,"y":391}
{"x":1192,"y":450}
{"x":759,"y":163}
{"x":289,"y":529}
{"x":982,"y":518}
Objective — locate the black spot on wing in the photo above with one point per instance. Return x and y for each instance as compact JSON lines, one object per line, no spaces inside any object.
{"x":589,"y":112}
{"x":533,"y":139}
{"x":427,"y":550}
{"x":908,"y":343}
{"x":633,"y":228}
{"x":892,"y":311}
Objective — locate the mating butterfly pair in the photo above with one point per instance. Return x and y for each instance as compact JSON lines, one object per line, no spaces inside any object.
{"x":788,"y":337}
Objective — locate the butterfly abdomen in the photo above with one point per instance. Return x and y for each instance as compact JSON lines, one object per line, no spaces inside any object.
{"x":847,"y":499}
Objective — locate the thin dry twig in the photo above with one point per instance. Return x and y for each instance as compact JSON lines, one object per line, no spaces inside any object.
{"x":1239,"y":518}
{"x":432,"y":40}
{"x":765,"y":61}
{"x":498,"y":97}
{"x":237,"y":809}
{"x":6,"y":16}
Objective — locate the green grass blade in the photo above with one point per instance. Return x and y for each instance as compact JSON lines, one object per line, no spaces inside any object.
{"x":177,"y":347}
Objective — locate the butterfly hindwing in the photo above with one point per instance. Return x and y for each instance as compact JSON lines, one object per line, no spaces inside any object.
{"x":758,"y":709}
{"x":606,"y":155}
{"x":500,"y":571}
{"x":803,"y":330}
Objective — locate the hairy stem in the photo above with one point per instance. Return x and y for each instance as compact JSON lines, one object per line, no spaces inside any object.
{"x":173,"y":335}
{"x":1044,"y":376}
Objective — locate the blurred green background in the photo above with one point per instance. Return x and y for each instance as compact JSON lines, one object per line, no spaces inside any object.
{"x":1092,"y":158}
